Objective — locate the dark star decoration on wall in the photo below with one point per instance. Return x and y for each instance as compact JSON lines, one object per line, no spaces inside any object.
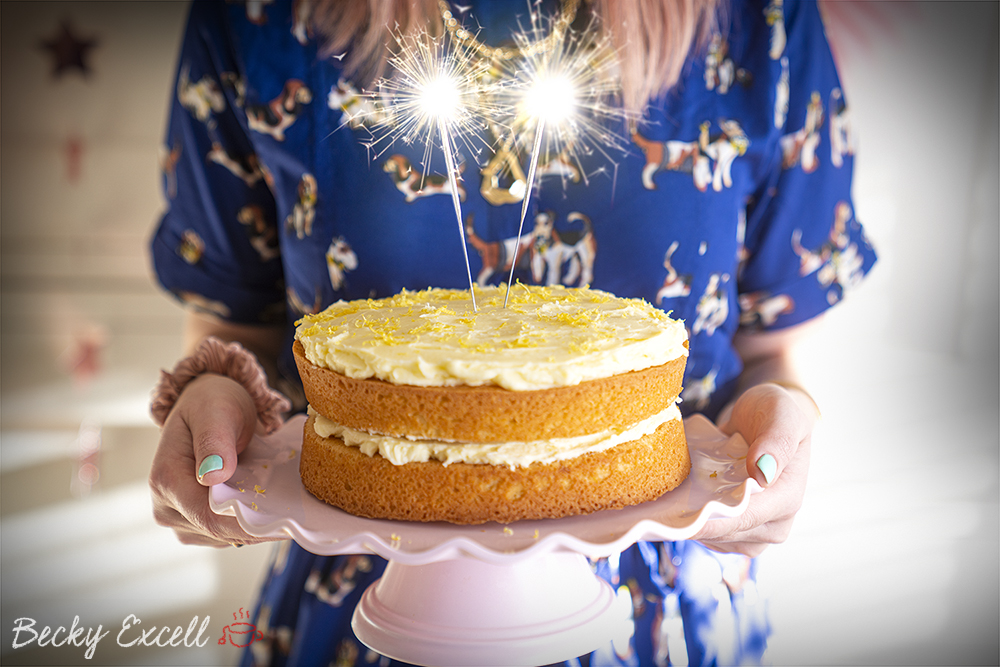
{"x":69,"y":51}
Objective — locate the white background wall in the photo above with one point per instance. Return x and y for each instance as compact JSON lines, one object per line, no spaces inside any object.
{"x":894,"y":559}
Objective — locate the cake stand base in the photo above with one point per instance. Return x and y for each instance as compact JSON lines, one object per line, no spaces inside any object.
{"x":467,"y":612}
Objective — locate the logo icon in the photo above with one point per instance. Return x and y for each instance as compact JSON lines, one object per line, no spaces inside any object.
{"x":241,"y":634}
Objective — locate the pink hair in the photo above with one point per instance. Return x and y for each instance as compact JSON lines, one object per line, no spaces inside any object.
{"x":652,"y":37}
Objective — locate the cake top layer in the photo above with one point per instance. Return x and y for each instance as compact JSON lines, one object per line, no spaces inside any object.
{"x":546,"y":337}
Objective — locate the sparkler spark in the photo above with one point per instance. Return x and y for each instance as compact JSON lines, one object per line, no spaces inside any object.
{"x":433,"y":84}
{"x":568,"y":97}
{"x":442,"y":90}
{"x":551,"y":98}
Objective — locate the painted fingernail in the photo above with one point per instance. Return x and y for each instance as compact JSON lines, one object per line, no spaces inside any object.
{"x":213,"y":462}
{"x":767,"y":465}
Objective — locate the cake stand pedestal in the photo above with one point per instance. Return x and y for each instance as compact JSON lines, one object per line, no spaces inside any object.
{"x":466,"y":611}
{"x":522,"y":594}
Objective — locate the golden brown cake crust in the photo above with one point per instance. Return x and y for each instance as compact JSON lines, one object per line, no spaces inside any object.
{"x":371,"y":486}
{"x":489,"y":414}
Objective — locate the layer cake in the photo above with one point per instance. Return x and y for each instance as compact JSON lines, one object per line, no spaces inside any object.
{"x":424,"y":409}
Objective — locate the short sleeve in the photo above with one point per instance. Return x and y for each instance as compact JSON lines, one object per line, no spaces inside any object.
{"x":217,"y":245}
{"x":804,"y":249}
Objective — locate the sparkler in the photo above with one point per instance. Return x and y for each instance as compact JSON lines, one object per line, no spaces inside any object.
{"x":566,"y":93}
{"x":443,"y":90}
{"x":558,"y":87}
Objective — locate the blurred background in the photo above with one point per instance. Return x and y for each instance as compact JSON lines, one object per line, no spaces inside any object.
{"x":895,"y":558}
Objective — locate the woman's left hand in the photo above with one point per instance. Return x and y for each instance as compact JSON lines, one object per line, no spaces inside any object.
{"x":777,"y":423}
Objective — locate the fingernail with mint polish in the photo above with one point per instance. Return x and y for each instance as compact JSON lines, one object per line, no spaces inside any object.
{"x":767,"y":465}
{"x":211,"y":463}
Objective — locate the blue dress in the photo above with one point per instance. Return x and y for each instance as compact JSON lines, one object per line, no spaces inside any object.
{"x":729,"y":205}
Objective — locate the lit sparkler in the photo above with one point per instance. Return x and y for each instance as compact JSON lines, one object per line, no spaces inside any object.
{"x":567,"y":95}
{"x":560,"y":89}
{"x":443,"y":90}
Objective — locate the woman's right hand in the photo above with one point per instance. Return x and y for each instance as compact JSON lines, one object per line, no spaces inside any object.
{"x":212,"y":421}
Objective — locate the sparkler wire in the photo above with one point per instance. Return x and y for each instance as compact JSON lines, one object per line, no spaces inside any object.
{"x":449,"y":159}
{"x":532,"y":166}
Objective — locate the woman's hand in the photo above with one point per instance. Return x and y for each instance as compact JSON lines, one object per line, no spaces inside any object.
{"x":211,"y":423}
{"x":778,"y":427}
{"x":776,"y":418}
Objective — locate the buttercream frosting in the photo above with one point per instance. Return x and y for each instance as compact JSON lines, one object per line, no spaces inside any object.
{"x":546,"y":337}
{"x":400,"y":451}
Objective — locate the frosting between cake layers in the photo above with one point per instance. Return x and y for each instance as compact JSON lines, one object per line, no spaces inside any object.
{"x":400,"y":451}
{"x":546,"y":337}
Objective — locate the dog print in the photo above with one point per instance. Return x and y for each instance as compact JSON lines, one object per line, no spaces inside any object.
{"x":191,"y":248}
{"x":698,"y":391}
{"x":844,"y":272}
{"x":837,"y":262}
{"x":561,"y":164}
{"x":299,"y":306}
{"x":235,"y":85}
{"x":245,"y":168}
{"x":720,"y":70}
{"x":708,"y":159}
{"x":415,"y":185}
{"x":781,"y":92}
{"x":359,"y":109}
{"x":304,"y":212}
{"x":340,"y":259}
{"x":263,"y":235}
{"x":498,"y":256}
{"x":255,"y":11}
{"x":713,"y":306}
{"x":280,"y":113}
{"x":673,"y":155}
{"x":574,"y":249}
{"x":760,"y":309}
{"x":841,"y":131}
{"x":674,"y":285}
{"x":202,"y":97}
{"x":301,"y":26}
{"x":724,"y":149}
{"x":774,"y":14}
{"x":333,"y":583}
{"x":799,"y":148}
{"x":811,"y":261}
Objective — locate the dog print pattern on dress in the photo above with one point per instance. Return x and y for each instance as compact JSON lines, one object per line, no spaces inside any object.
{"x":304,"y":212}
{"x":415,"y":185}
{"x":709,"y":158}
{"x":191,"y":247}
{"x":280,"y":113}
{"x":837,"y":263}
{"x":340,"y":259}
{"x":263,"y":233}
{"x":720,"y":70}
{"x":200,"y":97}
{"x":563,"y":256}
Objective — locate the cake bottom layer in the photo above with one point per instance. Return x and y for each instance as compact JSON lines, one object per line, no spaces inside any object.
{"x":370,"y":486}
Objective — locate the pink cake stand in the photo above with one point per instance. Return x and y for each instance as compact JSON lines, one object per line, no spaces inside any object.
{"x":520,"y":594}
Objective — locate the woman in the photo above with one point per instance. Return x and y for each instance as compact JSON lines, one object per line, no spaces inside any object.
{"x":731,"y":209}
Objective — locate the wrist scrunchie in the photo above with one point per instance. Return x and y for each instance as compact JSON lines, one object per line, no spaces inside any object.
{"x":229,"y":359}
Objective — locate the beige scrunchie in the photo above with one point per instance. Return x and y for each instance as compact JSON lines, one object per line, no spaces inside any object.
{"x":229,"y":359}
